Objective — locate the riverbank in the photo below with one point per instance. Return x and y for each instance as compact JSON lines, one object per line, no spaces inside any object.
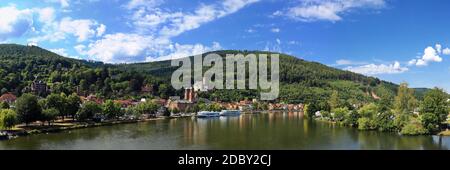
{"x":66,"y":126}
{"x":442,"y":133}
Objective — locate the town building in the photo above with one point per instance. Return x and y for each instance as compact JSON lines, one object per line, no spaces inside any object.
{"x":190,"y":95}
{"x":147,"y":89}
{"x":125,"y":103}
{"x":8,"y":98}
{"x":39,"y":87}
{"x":176,"y":103}
{"x":92,"y":98}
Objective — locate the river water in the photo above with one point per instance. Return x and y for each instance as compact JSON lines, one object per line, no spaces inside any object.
{"x":248,"y":131}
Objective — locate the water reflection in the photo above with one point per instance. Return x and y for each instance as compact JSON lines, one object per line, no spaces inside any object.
{"x":278,"y":130}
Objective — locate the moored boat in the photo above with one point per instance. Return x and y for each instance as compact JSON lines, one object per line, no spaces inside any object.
{"x":208,"y":114}
{"x":230,"y":113}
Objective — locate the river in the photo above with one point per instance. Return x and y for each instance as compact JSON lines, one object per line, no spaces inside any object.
{"x":248,"y":131}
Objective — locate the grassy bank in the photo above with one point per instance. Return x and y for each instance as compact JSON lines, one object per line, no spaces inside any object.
{"x":59,"y":126}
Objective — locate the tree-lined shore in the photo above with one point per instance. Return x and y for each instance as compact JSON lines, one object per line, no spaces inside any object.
{"x":403,"y":113}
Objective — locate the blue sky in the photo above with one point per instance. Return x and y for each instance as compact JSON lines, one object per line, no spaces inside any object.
{"x":395,"y":40}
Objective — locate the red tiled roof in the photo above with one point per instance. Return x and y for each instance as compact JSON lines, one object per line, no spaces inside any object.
{"x":8,"y":97}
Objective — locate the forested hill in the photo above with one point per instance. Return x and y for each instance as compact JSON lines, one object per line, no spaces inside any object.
{"x":301,"y":81}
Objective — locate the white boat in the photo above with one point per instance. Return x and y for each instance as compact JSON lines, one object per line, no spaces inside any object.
{"x":230,"y":113}
{"x":208,"y":114}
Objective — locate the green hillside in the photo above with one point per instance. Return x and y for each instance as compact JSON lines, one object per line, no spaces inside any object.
{"x":301,"y":81}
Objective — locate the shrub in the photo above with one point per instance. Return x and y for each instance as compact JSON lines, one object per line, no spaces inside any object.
{"x":325,"y":115}
{"x":351,"y":119}
{"x":339,"y":114}
{"x":368,"y":111}
{"x":112,"y":110}
{"x":4,"y":105}
{"x":310,"y":110}
{"x":49,"y":115}
{"x":414,"y":127}
{"x":8,"y":118}
{"x":430,"y":122}
{"x":88,"y":110}
{"x":28,"y":108}
{"x":365,"y":124}
{"x":385,"y":121}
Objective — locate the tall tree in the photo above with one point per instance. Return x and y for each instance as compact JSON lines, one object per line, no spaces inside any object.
{"x":88,"y":111}
{"x":386,"y":99}
{"x":28,"y":109}
{"x":334,"y":101}
{"x":435,"y":103}
{"x":8,"y":118}
{"x":111,"y":109}
{"x":73,"y":105}
{"x":405,"y":102}
{"x":57,"y":102}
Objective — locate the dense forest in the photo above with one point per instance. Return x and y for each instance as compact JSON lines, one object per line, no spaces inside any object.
{"x":301,"y":81}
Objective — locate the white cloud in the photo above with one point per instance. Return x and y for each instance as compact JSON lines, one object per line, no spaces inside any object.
{"x":62,"y":3}
{"x":179,"y":51}
{"x":430,"y":55}
{"x":46,"y":15}
{"x":328,"y":10}
{"x":274,"y":47}
{"x":278,"y":41}
{"x":83,"y":29}
{"x":275,"y":30}
{"x":63,"y":52}
{"x":60,"y":51}
{"x":118,"y":48}
{"x":344,"y":62}
{"x":133,"y":4}
{"x":438,"y":48}
{"x":171,"y":24}
{"x":412,"y":62}
{"x":101,"y":30}
{"x":373,"y":69}
{"x":126,"y":48}
{"x":293,"y":42}
{"x":155,"y":28}
{"x":14,"y":22}
{"x":446,"y":51}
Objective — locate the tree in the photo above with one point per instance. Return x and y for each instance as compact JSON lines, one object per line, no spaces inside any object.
{"x":8,"y":118}
{"x":28,"y":109}
{"x":88,"y":111}
{"x":73,"y":105}
{"x":57,"y":102}
{"x":334,"y":101}
{"x":414,"y":127}
{"x":111,"y":110}
{"x":310,"y":110}
{"x":385,"y":102}
{"x":49,"y":115}
{"x":365,"y":123}
{"x":435,"y":102}
{"x":339,"y":114}
{"x":4,"y":105}
{"x":148,"y":107}
{"x":384,"y":121}
{"x":368,"y":111}
{"x":351,"y":119}
{"x":405,"y":102}
{"x":84,"y":86}
{"x":430,"y":121}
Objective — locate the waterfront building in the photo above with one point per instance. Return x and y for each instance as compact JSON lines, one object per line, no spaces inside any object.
{"x":8,"y":98}
{"x":39,"y":87}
